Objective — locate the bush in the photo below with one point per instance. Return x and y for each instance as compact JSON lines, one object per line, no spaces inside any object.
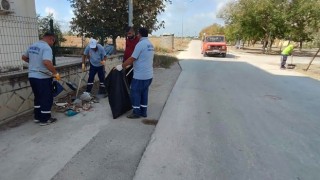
{"x":161,"y":50}
{"x":164,"y":61}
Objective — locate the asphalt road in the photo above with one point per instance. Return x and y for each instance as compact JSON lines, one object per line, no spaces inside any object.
{"x":236,"y":119}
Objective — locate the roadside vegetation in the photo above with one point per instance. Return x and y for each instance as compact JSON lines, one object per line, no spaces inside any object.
{"x":164,"y":61}
{"x":164,"y":57}
{"x":261,"y":21}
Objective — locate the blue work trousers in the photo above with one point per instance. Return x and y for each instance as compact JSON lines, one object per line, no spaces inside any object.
{"x":283,"y":59}
{"x":92,"y":72}
{"x":139,"y":96}
{"x":43,"y":98}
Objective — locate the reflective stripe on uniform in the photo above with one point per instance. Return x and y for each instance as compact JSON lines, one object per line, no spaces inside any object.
{"x":144,"y":106}
{"x":136,"y":107}
{"x":46,"y":112}
{"x":36,"y":106}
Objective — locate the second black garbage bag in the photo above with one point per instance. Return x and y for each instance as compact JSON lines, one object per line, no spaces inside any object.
{"x":118,"y":92}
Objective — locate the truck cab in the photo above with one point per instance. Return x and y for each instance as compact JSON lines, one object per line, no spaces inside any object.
{"x":214,"y":45}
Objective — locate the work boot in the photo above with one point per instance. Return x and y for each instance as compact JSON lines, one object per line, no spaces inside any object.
{"x":102,"y":90}
{"x":133,"y":116}
{"x":282,"y":67}
{"x":50,"y":121}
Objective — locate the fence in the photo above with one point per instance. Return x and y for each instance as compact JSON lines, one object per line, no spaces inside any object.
{"x":16,"y":34}
{"x":62,"y":51}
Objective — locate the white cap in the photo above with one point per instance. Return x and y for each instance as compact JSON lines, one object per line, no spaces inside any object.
{"x":93,"y":43}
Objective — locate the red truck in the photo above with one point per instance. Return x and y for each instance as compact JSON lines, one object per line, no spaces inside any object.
{"x":214,"y":45}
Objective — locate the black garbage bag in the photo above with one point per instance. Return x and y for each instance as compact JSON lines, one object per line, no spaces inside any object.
{"x":118,"y":92}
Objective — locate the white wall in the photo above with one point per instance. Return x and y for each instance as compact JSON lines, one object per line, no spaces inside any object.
{"x":17,"y":31}
{"x":24,"y":8}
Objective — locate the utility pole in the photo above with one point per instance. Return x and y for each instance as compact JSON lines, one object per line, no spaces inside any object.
{"x":53,"y":47}
{"x":130,"y":13}
{"x":182,"y":29}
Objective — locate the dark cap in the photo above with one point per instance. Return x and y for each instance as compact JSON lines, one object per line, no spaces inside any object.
{"x":48,"y":34}
{"x":143,"y":32}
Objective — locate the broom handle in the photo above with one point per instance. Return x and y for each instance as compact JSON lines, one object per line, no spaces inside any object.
{"x":129,"y":72}
{"x":79,"y":84}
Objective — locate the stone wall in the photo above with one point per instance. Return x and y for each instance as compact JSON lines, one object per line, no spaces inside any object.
{"x":16,"y":97}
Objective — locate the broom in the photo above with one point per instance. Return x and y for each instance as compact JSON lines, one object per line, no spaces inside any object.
{"x":291,"y":65}
{"x":71,"y":85}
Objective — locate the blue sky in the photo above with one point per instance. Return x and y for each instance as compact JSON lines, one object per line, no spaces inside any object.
{"x":182,"y":17}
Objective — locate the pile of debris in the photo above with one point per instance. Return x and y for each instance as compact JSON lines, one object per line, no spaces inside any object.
{"x":71,"y":105}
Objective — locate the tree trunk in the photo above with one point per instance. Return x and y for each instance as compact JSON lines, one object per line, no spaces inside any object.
{"x":270,"y":45}
{"x":102,"y":40}
{"x":265,"y":43}
{"x":114,"y":43}
{"x":254,"y":42}
{"x":300,"y":48}
{"x":264,"y":46}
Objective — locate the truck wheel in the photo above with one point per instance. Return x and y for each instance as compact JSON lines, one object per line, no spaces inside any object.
{"x":224,"y":55}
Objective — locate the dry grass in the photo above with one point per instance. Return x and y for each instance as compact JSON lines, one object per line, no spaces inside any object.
{"x":164,"y":57}
{"x":178,"y":43}
{"x":164,"y":61}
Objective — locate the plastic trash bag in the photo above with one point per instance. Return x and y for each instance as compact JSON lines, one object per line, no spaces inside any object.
{"x":57,"y":88}
{"x":118,"y":92}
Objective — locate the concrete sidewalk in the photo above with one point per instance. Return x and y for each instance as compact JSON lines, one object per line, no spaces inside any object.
{"x":39,"y":153}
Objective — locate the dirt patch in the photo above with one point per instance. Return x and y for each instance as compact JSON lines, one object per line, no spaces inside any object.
{"x":313,"y":72}
{"x":17,"y":121}
{"x":150,"y":122}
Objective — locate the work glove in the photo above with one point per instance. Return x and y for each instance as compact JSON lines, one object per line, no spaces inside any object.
{"x":57,"y":76}
{"x":83,"y":67}
{"x":119,"y":67}
{"x":102,"y":62}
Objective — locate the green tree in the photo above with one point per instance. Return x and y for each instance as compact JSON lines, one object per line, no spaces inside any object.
{"x":109,"y":18}
{"x":230,"y":13}
{"x":257,"y":19}
{"x":271,"y":19}
{"x":212,"y":30}
{"x":303,"y":20}
{"x":44,"y":26}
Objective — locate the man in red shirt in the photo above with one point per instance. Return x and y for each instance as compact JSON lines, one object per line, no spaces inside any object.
{"x":131,"y":42}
